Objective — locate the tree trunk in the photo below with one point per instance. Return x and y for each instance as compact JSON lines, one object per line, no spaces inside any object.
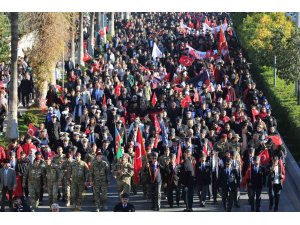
{"x":112,"y":24}
{"x":92,"y":35}
{"x":80,"y":49}
{"x":127,"y":15}
{"x":12,"y":122}
{"x":98,"y":21}
{"x":72,"y":45}
{"x":103,"y":25}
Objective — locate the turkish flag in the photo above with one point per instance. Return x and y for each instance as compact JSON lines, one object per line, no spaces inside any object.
{"x":194,"y":53}
{"x":86,"y":57}
{"x":264,"y":157}
{"x":154,"y":99}
{"x":179,"y":154}
{"x":139,"y":152}
{"x":186,"y":61}
{"x":118,"y":89}
{"x":222,"y":41}
{"x":185,"y":102}
{"x":276,"y":140}
{"x":31,"y":129}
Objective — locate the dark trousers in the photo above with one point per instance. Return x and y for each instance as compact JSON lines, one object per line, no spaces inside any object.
{"x":214,"y":186}
{"x":255,"y":194}
{"x":227,"y":198}
{"x":188,"y":195}
{"x":25,"y":99}
{"x":171,"y":188}
{"x":10,"y":194}
{"x":202,"y":191}
{"x":274,"y":192}
{"x":155,"y":195}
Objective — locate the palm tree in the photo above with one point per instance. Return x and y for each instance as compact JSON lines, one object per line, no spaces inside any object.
{"x":12,"y":122}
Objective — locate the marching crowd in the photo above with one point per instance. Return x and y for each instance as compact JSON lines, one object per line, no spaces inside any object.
{"x":168,"y":105}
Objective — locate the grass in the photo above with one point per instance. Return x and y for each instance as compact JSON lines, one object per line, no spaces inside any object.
{"x":22,"y":126}
{"x":285,"y":108}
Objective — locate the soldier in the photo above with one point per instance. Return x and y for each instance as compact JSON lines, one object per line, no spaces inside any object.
{"x":255,"y":183}
{"x":203,"y":179}
{"x":222,"y":145}
{"x":91,"y":156}
{"x":171,"y":176}
{"x":66,"y":185}
{"x":34,"y":175}
{"x":53,"y":178}
{"x":123,"y":171}
{"x":229,"y":182}
{"x":154,"y":179}
{"x":131,"y":159}
{"x":235,"y":144}
{"x":78,"y":176}
{"x":58,"y":160}
{"x":162,"y":162}
{"x":145,"y":185}
{"x":99,"y":178}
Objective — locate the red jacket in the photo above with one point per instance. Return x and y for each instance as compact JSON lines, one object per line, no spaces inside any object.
{"x":27,"y":147}
{"x":19,"y":149}
{"x":2,"y":154}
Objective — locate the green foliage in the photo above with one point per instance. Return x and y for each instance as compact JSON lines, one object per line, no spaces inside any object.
{"x":30,"y":118}
{"x":4,"y":37}
{"x":257,"y":32}
{"x":284,"y":105}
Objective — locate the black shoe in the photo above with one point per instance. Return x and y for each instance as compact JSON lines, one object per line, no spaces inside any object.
{"x":252,"y":209}
{"x":202,"y":205}
{"x":257,"y":210}
{"x":237,"y":206}
{"x":171,"y":206}
{"x":275,"y":210}
{"x":270,"y":207}
{"x":215,"y":202}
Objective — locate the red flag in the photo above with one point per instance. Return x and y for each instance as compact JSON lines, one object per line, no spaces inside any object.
{"x":179,"y":154}
{"x":246,"y":177}
{"x":59,"y":88}
{"x":185,"y":102}
{"x":154,"y":99}
{"x":101,"y":33}
{"x":43,"y":106}
{"x":194,"y":53}
{"x":204,"y":150}
{"x":255,"y":112}
{"x":276,"y":140}
{"x":207,"y":21}
{"x":31,"y":129}
{"x":118,"y":89}
{"x":222,"y":41}
{"x":87,"y":131}
{"x":139,"y":152}
{"x":196,"y":96}
{"x":156,"y":140}
{"x":104,"y":100}
{"x":264,"y":157}
{"x":186,"y":61}
{"x":86,"y":57}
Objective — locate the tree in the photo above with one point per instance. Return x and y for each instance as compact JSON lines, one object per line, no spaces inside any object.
{"x":112,"y":24}
{"x":51,"y":39}
{"x":80,"y":49}
{"x":257,"y":31}
{"x":92,"y":34}
{"x":12,"y":122}
{"x":4,"y":37}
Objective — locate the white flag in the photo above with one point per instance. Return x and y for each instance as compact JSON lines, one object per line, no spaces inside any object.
{"x":156,"y":52}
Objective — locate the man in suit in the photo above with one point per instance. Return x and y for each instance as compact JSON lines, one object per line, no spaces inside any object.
{"x":69,"y":65}
{"x":203,"y":179}
{"x":214,"y":162}
{"x":255,"y":183}
{"x":229,"y":181}
{"x":124,"y":206}
{"x":276,"y":175}
{"x":53,"y":129}
{"x":8,"y":183}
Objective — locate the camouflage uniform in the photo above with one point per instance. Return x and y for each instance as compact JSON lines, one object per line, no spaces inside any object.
{"x":90,"y":158}
{"x":133,"y":184}
{"x":52,"y":179}
{"x":66,"y":184}
{"x":35,"y":176}
{"x":99,"y":175}
{"x":235,"y":146}
{"x":123,"y":171}
{"x":78,"y":175}
{"x":59,"y":160}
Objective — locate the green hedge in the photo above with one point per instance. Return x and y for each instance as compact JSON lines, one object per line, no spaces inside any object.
{"x":284,"y":105}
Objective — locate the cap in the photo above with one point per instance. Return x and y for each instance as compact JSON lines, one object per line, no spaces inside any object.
{"x":125,"y":195}
{"x":236,"y":136}
{"x":84,"y":140}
